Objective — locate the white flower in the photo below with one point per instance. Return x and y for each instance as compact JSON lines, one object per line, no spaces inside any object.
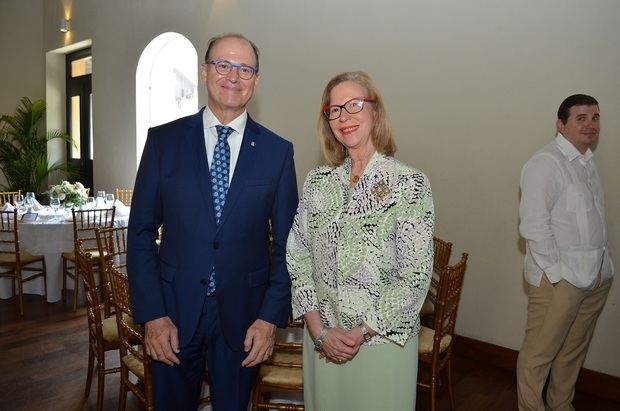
{"x":74,"y":194}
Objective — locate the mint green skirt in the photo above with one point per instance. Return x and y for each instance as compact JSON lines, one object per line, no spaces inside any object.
{"x":380,"y":377}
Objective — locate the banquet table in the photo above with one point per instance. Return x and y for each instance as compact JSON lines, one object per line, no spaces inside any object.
{"x":50,"y":235}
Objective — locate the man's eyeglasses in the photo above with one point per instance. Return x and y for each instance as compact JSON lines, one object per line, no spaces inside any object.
{"x":223,"y":67}
{"x":355,"y":105}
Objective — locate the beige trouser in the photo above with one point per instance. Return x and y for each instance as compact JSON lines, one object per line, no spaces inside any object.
{"x":560,"y":323}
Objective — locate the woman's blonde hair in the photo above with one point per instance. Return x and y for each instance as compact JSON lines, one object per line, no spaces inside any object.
{"x":381,"y":134}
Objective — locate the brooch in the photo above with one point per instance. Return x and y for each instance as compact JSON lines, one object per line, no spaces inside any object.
{"x":380,"y":190}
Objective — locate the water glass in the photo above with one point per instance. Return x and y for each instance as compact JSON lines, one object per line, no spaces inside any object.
{"x":90,"y":203}
{"x":55,"y":204}
{"x":100,"y":198}
{"x":109,"y":199}
{"x":29,"y":201}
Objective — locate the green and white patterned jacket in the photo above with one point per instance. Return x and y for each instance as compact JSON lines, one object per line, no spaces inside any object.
{"x":364,"y":253}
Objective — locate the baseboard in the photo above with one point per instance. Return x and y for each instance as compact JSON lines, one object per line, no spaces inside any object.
{"x":590,"y":382}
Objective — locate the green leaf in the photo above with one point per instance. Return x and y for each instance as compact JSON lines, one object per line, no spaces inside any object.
{"x":23,"y":150}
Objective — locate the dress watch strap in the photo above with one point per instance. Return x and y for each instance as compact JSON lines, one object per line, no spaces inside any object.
{"x":365,"y":332}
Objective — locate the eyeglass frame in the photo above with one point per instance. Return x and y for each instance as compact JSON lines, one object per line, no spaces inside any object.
{"x":343,"y":106}
{"x":232,"y":66}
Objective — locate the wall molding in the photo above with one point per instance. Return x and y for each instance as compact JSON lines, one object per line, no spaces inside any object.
{"x":589,"y":381}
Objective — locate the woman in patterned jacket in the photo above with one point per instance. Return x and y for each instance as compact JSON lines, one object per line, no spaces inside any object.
{"x":360,"y":255}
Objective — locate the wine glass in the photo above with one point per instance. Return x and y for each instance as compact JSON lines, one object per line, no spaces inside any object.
{"x":29,"y":201}
{"x":55,"y":204}
{"x":90,"y":203}
{"x":109,"y":199}
{"x":100,"y":198}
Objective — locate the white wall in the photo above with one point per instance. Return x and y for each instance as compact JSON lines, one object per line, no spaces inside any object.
{"x":21,"y":54}
{"x":472,"y":88}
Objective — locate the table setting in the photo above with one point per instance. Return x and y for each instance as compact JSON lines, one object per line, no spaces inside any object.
{"x":48,"y":230}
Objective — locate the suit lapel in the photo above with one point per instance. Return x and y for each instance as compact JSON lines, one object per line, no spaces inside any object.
{"x":197,"y":143}
{"x":243,"y":168}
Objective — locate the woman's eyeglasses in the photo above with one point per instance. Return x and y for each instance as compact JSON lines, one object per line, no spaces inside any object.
{"x":355,"y":105}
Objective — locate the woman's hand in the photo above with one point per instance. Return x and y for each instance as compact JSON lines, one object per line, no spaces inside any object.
{"x":338,"y":346}
{"x":357,"y":334}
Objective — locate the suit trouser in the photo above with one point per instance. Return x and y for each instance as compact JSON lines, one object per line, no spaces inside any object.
{"x":560,"y":323}
{"x":178,"y":387}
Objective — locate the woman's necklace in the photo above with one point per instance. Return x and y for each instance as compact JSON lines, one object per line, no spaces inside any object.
{"x":355,"y":178}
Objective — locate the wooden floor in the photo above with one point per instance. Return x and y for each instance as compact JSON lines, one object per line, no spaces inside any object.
{"x":43,"y":367}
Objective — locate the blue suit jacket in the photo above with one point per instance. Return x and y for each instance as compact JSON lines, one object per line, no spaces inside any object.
{"x":173,"y":188}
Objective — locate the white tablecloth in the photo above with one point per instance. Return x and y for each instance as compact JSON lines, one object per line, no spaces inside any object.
{"x":50,"y":235}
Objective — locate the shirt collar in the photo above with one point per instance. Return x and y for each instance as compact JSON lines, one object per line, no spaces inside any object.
{"x":238,"y":124}
{"x":369,"y":170}
{"x":570,"y":152}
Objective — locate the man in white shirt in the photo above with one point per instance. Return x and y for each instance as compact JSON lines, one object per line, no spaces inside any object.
{"x":568,"y":270}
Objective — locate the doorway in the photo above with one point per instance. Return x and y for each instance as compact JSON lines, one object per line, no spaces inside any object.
{"x":80,"y":153}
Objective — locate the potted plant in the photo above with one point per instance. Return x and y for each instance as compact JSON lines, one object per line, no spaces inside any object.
{"x":23,"y":149}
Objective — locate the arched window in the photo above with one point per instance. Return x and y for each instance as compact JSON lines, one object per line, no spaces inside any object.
{"x":166,"y":84}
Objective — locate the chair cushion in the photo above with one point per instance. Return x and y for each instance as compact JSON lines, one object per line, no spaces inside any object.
{"x":7,"y":258}
{"x":110,"y":328}
{"x":134,"y":365}
{"x":26,"y":258}
{"x":283,"y":376}
{"x":286,"y":357}
{"x":425,"y":344}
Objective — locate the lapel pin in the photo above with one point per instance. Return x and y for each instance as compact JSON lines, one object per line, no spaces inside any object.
{"x":380,"y":190}
{"x":252,"y":143}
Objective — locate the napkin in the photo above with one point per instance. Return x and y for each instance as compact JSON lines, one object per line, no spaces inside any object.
{"x":37,"y":206}
{"x":7,"y":207}
{"x":121,"y":209}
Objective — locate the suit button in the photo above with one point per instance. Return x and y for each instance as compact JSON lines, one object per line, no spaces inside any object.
{"x":203,"y":282}
{"x":216,"y":245}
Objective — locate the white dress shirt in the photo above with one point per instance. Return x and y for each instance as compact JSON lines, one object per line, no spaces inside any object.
{"x":563,"y":217}
{"x":209,"y":122}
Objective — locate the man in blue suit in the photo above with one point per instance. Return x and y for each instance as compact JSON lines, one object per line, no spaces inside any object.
{"x":224,"y":188}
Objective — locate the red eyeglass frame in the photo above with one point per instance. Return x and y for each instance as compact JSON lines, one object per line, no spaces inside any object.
{"x":325,"y":107}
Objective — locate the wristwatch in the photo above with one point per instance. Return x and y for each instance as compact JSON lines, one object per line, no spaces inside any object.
{"x":318,"y":341}
{"x":365,"y":333}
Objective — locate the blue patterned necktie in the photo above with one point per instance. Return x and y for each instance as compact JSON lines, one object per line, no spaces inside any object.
{"x":220,"y":166}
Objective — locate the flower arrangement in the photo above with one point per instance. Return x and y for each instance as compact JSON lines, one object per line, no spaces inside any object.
{"x":68,"y":193}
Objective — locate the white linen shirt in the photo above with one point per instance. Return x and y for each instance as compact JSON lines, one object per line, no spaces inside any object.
{"x":209,"y":122}
{"x":563,"y":217}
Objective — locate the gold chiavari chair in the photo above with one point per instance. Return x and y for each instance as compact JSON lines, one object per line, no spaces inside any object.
{"x":441,"y":257}
{"x":124,"y":195}
{"x":134,"y":359}
{"x":112,"y":246}
{"x":282,"y":373}
{"x":15,"y":262}
{"x":435,"y":344}
{"x":8,"y":197}
{"x":102,"y":332}
{"x":84,"y":224}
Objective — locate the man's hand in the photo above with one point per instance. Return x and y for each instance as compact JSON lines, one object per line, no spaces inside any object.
{"x":259,"y":341}
{"x":161,"y":340}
